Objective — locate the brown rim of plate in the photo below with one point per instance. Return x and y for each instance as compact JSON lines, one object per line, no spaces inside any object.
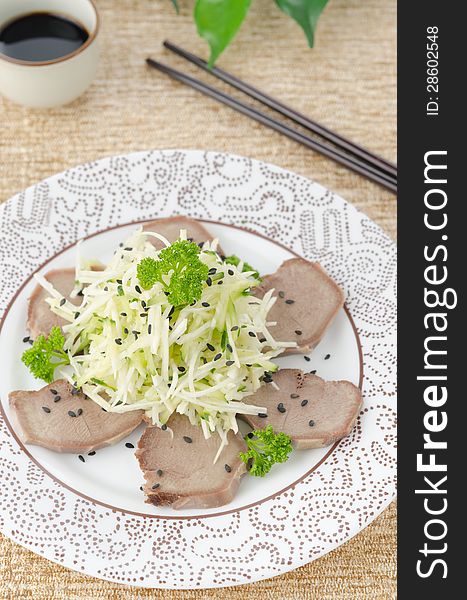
{"x":43,"y":63}
{"x":148,"y":515}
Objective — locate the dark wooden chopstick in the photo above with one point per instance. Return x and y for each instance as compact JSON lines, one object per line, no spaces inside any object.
{"x":285,"y":110}
{"x":352,"y":163}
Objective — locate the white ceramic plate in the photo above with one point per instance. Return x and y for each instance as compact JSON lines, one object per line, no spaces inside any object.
{"x":91,"y":516}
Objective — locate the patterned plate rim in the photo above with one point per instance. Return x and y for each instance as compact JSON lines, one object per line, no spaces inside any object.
{"x":214,"y":575}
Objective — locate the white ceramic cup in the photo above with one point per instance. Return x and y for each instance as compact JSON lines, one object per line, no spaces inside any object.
{"x":52,"y":82}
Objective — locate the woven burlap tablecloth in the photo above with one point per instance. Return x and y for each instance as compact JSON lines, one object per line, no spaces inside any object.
{"x":348,"y":82}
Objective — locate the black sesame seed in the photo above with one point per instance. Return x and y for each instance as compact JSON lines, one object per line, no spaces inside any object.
{"x":209,"y":281}
{"x":92,"y":453}
{"x":106,"y":289}
{"x":234,"y":328}
{"x":54,"y":392}
{"x":262,"y":415}
{"x":210,"y":347}
{"x":118,"y":341}
{"x":149,"y":328}
{"x":220,"y":282}
{"x":250,"y":435}
{"x":295,"y":395}
{"x":313,"y":372}
{"x":80,"y":293}
{"x":182,"y":369}
{"x":138,"y":289}
{"x":58,"y":398}
{"x":205,"y":304}
{"x":281,"y":407}
{"x":129,"y":445}
{"x":31,"y":342}
{"x":76,"y":315}
{"x":125,"y":330}
{"x":281,"y":294}
{"x":289,"y":301}
{"x":143,"y":304}
{"x":26,"y":339}
{"x":307,"y":358}
{"x":187,"y":439}
{"x":218,"y":356}
{"x":79,"y":412}
{"x":228,"y":468}
{"x":119,"y":281}
{"x":212,"y":271}
{"x":229,"y":363}
{"x":303,"y":402}
{"x":120,"y":245}
{"x":327,"y":357}
{"x":123,"y":314}
{"x":248,"y":365}
{"x":164,"y":427}
{"x":252,"y":334}
{"x":262,"y":340}
{"x":172,"y":310}
{"x":141,"y":487}
{"x":230,"y":272}
{"x":71,"y":413}
{"x":311,"y":423}
{"x":155,"y":486}
{"x":298,"y":331}
{"x":144,"y":314}
{"x":62,"y":301}
{"x":229,"y":347}
{"x":159,"y":472}
{"x":128,"y":249}
{"x":81,"y":457}
{"x":46,"y":409}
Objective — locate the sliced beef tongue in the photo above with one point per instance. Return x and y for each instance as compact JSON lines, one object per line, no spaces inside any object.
{"x":178,"y":466}
{"x":307,"y":302}
{"x":59,"y":418}
{"x":40,"y":318}
{"x":313,"y":412}
{"x":170,"y":229}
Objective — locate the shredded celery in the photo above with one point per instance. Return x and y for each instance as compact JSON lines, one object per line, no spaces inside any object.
{"x":130,"y":348}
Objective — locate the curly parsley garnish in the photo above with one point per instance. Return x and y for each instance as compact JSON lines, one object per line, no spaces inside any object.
{"x":265,"y":449}
{"x":179,"y":270}
{"x":46,"y":354}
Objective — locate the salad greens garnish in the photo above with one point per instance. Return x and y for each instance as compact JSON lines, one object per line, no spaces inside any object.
{"x":46,"y":354}
{"x":265,"y":449}
{"x":234,"y":260}
{"x":179,"y":271}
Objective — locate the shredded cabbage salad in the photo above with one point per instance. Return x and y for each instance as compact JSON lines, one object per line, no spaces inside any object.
{"x":130,"y":348}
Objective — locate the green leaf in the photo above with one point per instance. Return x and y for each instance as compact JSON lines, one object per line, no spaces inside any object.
{"x":218,"y":21}
{"x":305,"y":12}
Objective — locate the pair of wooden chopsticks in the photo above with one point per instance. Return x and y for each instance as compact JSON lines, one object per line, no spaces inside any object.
{"x":340,"y":149}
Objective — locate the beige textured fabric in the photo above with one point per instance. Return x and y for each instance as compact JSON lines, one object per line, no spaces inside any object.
{"x":347,"y":82}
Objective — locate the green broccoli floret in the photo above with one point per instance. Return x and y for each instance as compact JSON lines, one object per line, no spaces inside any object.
{"x":46,"y":354}
{"x":234,"y":260}
{"x":187,"y":273}
{"x":265,"y":449}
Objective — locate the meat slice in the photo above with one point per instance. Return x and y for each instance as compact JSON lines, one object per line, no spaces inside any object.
{"x":40,"y":318}
{"x":178,"y":466}
{"x":307,"y":302}
{"x":46,"y":418}
{"x":170,"y":229}
{"x":313,"y":412}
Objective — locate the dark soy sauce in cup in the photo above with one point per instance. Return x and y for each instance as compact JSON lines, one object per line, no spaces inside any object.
{"x":41,"y":36}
